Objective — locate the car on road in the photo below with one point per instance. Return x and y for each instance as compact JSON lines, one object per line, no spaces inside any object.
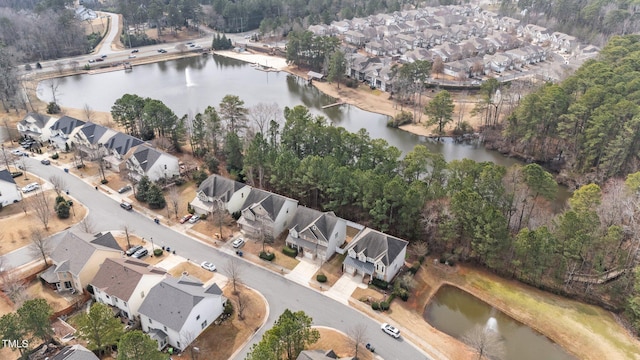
{"x":185,"y":218}
{"x":124,"y":189}
{"x":30,"y":187}
{"x":140,"y":253}
{"x":134,"y":51}
{"x":132,"y":56}
{"x":208,"y":266}
{"x":103,"y":56}
{"x":162,"y":51}
{"x":15,"y":174}
{"x":238,"y":242}
{"x":390,"y":330}
{"x":99,"y":59}
{"x":133,"y":250}
{"x":17,"y":152}
{"x":45,"y":162}
{"x":91,"y":61}
{"x":194,"y":219}
{"x":125,"y":205}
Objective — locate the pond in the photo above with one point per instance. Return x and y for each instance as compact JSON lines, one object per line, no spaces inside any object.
{"x":455,"y":312}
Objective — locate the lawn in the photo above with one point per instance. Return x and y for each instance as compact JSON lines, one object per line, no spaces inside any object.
{"x":192,"y":270}
{"x":332,"y":269}
{"x":340,"y":343}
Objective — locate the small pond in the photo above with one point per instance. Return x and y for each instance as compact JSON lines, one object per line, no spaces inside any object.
{"x":455,"y":312}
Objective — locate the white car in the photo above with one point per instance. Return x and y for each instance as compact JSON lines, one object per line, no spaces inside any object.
{"x":390,"y":330}
{"x":30,"y":187}
{"x":208,"y":266}
{"x":17,"y":152}
{"x":194,"y":219}
{"x":238,"y":242}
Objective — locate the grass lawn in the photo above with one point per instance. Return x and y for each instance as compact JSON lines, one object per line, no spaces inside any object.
{"x":219,"y":342}
{"x":37,"y":290}
{"x":340,"y":344}
{"x":332,"y":269}
{"x":193,"y":270}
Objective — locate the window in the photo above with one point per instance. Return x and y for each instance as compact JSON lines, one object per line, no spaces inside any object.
{"x":108,"y":297}
{"x":125,"y":303}
{"x":204,"y":324}
{"x":198,"y":317}
{"x":150,"y":321}
{"x":116,"y":299}
{"x":178,"y":343}
{"x":165,"y":328}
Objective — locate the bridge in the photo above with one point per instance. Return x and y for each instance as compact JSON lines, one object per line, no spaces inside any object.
{"x":596,"y":279}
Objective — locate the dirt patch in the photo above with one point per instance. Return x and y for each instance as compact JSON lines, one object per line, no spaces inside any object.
{"x":192,"y":270}
{"x":219,"y":342}
{"x":37,"y":290}
{"x":121,"y":239}
{"x":15,"y":237}
{"x":340,"y":343}
{"x":332,"y":269}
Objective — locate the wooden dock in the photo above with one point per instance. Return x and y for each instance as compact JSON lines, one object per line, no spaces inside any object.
{"x":334,"y":104}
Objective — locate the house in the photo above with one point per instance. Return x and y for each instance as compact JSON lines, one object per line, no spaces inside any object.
{"x":176,"y":311}
{"x":375,"y":48}
{"x":316,"y":234}
{"x":321,"y":355}
{"x":497,"y":62}
{"x":63,"y":131}
{"x":91,"y":139}
{"x":375,"y":254}
{"x":266,"y":213}
{"x":124,"y":282}
{"x":144,"y":160}
{"x":340,"y":26}
{"x":217,"y":189}
{"x":354,"y":37}
{"x":319,"y":30}
{"x":74,"y":352}
{"x":119,"y":144}
{"x":36,"y":126}
{"x":77,"y":258}
{"x":9,"y":191}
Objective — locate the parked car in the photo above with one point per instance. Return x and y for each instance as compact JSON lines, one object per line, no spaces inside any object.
{"x":99,"y":59}
{"x":103,"y":56}
{"x":134,"y":51}
{"x":194,"y":219}
{"x":15,"y":174}
{"x":45,"y":162}
{"x":185,"y":218}
{"x":124,"y":189}
{"x":17,"y":152}
{"x":125,"y":205}
{"x":140,"y":253}
{"x":30,"y":187}
{"x":390,"y":330}
{"x":91,"y":61}
{"x":208,"y":266}
{"x":238,"y":242}
{"x":132,"y":56}
{"x":133,"y":250}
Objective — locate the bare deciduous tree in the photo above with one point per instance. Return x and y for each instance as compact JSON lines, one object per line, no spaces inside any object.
{"x":127,"y":234}
{"x":486,"y":342}
{"x":357,"y":337}
{"x":233,"y":268}
{"x":174,"y":200}
{"x":59,"y":66}
{"x":39,"y":246}
{"x":40,"y":205}
{"x":164,"y":144}
{"x":58,"y":183}
{"x":419,"y":248}
{"x":242,"y":301}
{"x":89,"y":114}
{"x":262,"y":114}
{"x":86,"y":225}
{"x":74,"y":65}
{"x":13,"y":285}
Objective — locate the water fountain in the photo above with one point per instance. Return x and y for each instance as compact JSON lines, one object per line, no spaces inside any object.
{"x":187,"y":76}
{"x":492,"y":325}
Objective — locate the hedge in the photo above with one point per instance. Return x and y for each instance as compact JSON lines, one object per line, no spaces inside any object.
{"x":384,"y":306}
{"x":157,"y":252}
{"x":414,"y":268}
{"x":375,"y":305}
{"x":380,"y":284}
{"x":321,"y":278}
{"x":267,"y":256}
{"x":290,"y":251}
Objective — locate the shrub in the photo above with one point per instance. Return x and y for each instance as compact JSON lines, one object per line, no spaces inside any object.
{"x":236,"y":215}
{"x":267,"y":255}
{"x":59,"y":199}
{"x":414,"y":268}
{"x":404,"y":117}
{"x":179,"y":181}
{"x":55,"y":156}
{"x":53,"y":108}
{"x":322,"y":278}
{"x":379,"y":283}
{"x":203,"y":216}
{"x":199,"y":176}
{"x":289,"y":251}
{"x":421,"y":259}
{"x":104,"y":181}
{"x":190,"y":209}
{"x":27,"y":67}
{"x":443,"y":260}
{"x":228,"y":308}
{"x":404,"y":295}
{"x":62,"y":210}
{"x":384,"y":305}
{"x":375,"y":305}
{"x":158,"y":252}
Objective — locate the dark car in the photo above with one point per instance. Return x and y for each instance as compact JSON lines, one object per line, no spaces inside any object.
{"x":124,"y":189}
{"x":140,"y":253}
{"x":134,"y":51}
{"x":133,"y":250}
{"x":125,"y":205}
{"x":99,"y":59}
{"x":15,"y":174}
{"x":104,"y":56}
{"x":45,"y":162}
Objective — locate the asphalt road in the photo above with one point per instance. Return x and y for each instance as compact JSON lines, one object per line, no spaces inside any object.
{"x":281,"y":294}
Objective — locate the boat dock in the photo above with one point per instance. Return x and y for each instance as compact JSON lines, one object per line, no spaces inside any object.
{"x":340,"y":102}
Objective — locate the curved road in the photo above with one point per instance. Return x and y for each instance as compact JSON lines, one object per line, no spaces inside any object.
{"x":281,"y":294}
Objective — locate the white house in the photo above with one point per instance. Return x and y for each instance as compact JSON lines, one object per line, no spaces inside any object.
{"x":92,"y":137}
{"x":216,"y":188}
{"x":375,"y":254}
{"x":36,"y":126}
{"x":144,"y":160}
{"x":9,"y":192}
{"x":265,"y":211}
{"x":64,"y":130}
{"x":314,"y":233}
{"x":124,"y":282}
{"x":176,"y":311}
{"x":77,"y":258}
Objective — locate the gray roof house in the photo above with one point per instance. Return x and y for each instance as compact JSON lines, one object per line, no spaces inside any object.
{"x":75,"y":352}
{"x":63,"y":131}
{"x":77,"y":258}
{"x":217,"y":189}
{"x":119,"y":144}
{"x":266,"y":213}
{"x":9,"y":192}
{"x":36,"y":126}
{"x":145,"y":160}
{"x":375,"y":254}
{"x":176,"y":311}
{"x":320,"y":355}
{"x":316,"y":234}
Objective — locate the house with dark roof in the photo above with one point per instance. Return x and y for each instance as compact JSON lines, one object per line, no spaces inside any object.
{"x":316,"y":234}
{"x":321,"y":355}
{"x":145,"y":160}
{"x":74,"y":352}
{"x":119,"y":144}
{"x":77,"y":258}
{"x":176,"y":311}
{"x":266,"y":213}
{"x":375,"y":254}
{"x":63,"y":130}
{"x":219,"y":190}
{"x":36,"y":126}
{"x":124,"y":282}
{"x":9,"y":191}
{"x":91,"y":139}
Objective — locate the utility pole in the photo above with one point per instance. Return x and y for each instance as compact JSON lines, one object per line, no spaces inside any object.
{"x":4,"y":154}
